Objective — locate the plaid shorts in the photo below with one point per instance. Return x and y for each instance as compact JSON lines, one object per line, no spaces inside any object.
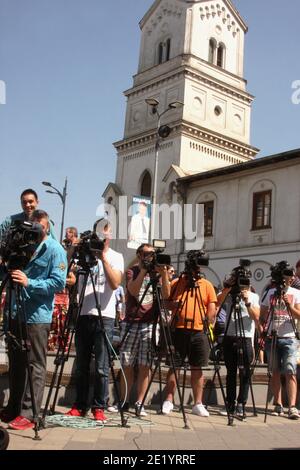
{"x":137,"y":347}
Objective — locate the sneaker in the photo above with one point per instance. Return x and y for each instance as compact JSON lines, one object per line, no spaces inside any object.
{"x":239,"y":411}
{"x":20,"y":424}
{"x":113,"y":409}
{"x":293,"y":413}
{"x":167,"y":407}
{"x":138,"y":410}
{"x":200,"y":410}
{"x":99,"y":415}
{"x":75,"y":412}
{"x":278,"y":410}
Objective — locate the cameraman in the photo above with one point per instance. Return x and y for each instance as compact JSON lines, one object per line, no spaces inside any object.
{"x":29,"y":203}
{"x":238,"y":338}
{"x":137,"y":328}
{"x":279,"y":308}
{"x":89,"y":336}
{"x":44,"y":275}
{"x":190,"y":337}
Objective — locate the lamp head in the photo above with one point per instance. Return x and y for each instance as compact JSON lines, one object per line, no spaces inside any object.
{"x":46,"y":183}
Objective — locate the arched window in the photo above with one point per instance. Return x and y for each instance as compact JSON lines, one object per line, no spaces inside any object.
{"x":168,"y":49}
{"x":160,"y":53}
{"x":164,"y":51}
{"x":146,"y":185}
{"x":212,"y":50}
{"x":221,"y":55}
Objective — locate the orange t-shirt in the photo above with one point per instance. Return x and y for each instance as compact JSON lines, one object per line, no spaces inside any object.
{"x":192,"y":302}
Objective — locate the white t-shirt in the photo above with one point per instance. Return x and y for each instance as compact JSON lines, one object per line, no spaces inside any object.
{"x":248,"y":323}
{"x":280,"y":320}
{"x":105,"y":294}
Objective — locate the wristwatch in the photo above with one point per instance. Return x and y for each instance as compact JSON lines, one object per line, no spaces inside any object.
{"x":248,"y":304}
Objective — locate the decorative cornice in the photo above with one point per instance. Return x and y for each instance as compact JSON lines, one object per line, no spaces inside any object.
{"x":166,"y":10}
{"x":227,"y":19}
{"x":187,"y":71}
{"x":218,"y":140}
{"x":201,"y":134}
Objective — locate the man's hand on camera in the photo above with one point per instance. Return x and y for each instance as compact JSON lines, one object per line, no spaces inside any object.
{"x":161,"y":270}
{"x":245,"y":295}
{"x":19,"y":277}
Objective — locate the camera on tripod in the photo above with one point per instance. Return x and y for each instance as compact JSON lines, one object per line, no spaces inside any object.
{"x":240,"y":276}
{"x":19,"y":244}
{"x":89,"y":249}
{"x":279,"y":271}
{"x":158,"y":258}
{"x":195,"y":259}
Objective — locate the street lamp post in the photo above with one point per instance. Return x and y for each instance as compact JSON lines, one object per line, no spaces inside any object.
{"x":63,"y":197}
{"x":162,"y":132}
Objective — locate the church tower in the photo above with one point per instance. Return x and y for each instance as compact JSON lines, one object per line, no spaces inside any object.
{"x":192,"y":52}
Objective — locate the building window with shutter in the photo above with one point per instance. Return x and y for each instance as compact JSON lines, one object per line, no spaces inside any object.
{"x":261,"y":218}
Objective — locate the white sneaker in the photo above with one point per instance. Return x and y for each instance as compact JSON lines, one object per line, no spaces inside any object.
{"x":112,"y":409}
{"x":200,"y":410}
{"x":138,"y":410}
{"x":167,"y":407}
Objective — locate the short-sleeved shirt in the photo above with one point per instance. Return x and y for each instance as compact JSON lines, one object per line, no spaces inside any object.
{"x":140,"y":308}
{"x":193,"y":302}
{"x":280,"y":320}
{"x":234,"y":319}
{"x":105,"y":294}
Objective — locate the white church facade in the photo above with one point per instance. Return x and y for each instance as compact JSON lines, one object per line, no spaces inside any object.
{"x":192,"y":53}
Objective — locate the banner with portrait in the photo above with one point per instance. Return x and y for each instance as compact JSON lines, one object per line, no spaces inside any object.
{"x":139,"y":228}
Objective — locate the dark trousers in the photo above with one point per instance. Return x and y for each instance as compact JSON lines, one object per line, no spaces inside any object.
{"x":90,"y":338}
{"x":20,"y":401}
{"x":233,"y":357}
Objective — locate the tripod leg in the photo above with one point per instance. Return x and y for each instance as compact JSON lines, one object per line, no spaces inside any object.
{"x":271,"y":366}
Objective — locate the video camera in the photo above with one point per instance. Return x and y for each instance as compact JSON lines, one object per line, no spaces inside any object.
{"x":240,"y":276}
{"x":19,"y":243}
{"x":156,"y":259}
{"x":278,"y":271}
{"x":195,"y":259}
{"x":91,"y":244}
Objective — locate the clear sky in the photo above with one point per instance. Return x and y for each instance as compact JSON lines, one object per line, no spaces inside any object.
{"x":66,"y":63}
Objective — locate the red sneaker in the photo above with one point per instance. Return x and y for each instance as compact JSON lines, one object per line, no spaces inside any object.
{"x":99,"y":415}
{"x":75,"y":412}
{"x":20,"y":424}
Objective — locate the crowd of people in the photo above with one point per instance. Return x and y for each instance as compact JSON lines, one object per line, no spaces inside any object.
{"x":37,"y":303}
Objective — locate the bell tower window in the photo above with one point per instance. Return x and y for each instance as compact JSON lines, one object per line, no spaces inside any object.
{"x":221,"y":55}
{"x":164,"y":51}
{"x":212,"y":50}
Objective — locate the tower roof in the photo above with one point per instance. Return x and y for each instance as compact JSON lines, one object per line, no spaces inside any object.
{"x":189,"y":3}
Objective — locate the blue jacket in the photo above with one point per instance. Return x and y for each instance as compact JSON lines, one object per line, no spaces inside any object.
{"x":4,"y":227}
{"x":46,"y":272}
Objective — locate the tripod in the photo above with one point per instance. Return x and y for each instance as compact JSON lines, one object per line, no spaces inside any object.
{"x":279,"y":324}
{"x":192,"y":290}
{"x":165,"y":341}
{"x":237,"y":349}
{"x":19,"y":348}
{"x":70,"y":327}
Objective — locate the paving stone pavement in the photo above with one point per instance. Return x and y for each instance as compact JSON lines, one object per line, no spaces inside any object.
{"x":157,"y":432}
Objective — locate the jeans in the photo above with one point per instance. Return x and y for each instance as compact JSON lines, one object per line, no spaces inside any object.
{"x":285,"y":357}
{"x":90,"y":338}
{"x":237,"y":351}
